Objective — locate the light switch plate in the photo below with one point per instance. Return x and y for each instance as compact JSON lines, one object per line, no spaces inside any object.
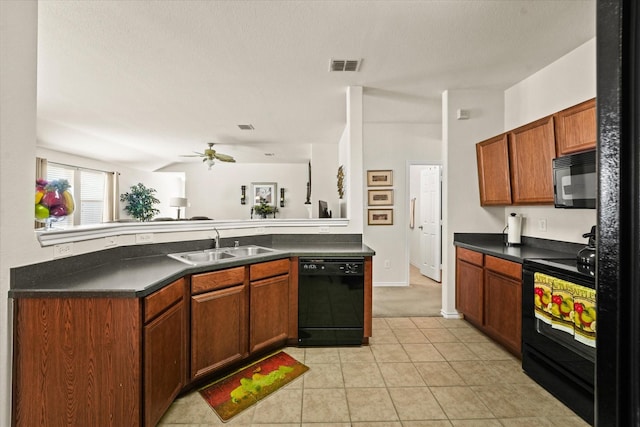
{"x":63,"y":250}
{"x":110,"y":241}
{"x":144,"y":238}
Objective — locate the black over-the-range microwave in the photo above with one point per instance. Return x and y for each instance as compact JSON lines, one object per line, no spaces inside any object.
{"x":575,"y":181}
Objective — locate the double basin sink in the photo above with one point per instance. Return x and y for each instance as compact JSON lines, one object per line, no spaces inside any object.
{"x":210,"y":256}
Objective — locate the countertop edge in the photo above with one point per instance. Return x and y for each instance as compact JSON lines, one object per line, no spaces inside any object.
{"x":182,"y":270}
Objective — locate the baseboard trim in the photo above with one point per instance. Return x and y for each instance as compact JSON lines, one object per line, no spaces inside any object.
{"x":380,"y":284}
{"x":451,"y":314}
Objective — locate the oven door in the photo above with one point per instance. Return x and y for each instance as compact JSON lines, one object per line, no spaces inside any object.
{"x":553,"y":358}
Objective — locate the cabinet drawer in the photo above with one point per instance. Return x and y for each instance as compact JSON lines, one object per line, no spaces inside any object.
{"x":269,"y":269}
{"x":472,"y":257}
{"x":504,"y":267}
{"x":158,"y":301}
{"x":217,"y":280}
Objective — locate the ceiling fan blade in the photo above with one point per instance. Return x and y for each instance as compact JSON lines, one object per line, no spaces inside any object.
{"x":224,"y":157}
{"x":191,"y":155}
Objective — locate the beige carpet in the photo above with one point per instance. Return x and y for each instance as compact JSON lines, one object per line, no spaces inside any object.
{"x":422,"y":298}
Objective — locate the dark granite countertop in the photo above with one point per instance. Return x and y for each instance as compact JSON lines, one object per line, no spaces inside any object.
{"x":493,"y":244}
{"x":119,"y":276}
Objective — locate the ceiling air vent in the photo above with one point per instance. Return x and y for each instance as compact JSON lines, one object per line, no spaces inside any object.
{"x":246,"y":127}
{"x":345,"y":64}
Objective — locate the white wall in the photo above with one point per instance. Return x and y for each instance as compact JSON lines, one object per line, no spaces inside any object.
{"x":566,"y":82}
{"x":389,"y":146}
{"x":324,"y":177}
{"x":461,"y":210}
{"x":166,"y":184}
{"x":216,"y":193}
{"x":18,"y":39}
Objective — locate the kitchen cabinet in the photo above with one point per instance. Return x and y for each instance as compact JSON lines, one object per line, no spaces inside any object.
{"x":493,"y":171}
{"x":269,"y":304}
{"x":165,"y":344}
{"x":575,"y":128}
{"x":503,"y":301}
{"x":219,"y":320}
{"x":488,"y":294}
{"x":470,"y":285}
{"x":77,"y":362}
{"x":531,"y":151}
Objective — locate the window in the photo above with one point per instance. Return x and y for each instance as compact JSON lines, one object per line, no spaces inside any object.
{"x":88,"y":188}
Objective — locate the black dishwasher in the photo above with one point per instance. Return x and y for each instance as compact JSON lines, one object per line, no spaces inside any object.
{"x":330,"y":301}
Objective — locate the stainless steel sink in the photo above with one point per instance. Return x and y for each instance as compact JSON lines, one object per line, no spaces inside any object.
{"x":202,"y":257}
{"x":245,"y":251}
{"x":212,"y":256}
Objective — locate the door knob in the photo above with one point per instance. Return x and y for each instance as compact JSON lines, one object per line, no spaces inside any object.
{"x":420,"y":227}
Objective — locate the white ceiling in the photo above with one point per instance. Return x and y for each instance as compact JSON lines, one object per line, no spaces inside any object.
{"x":139,"y":83}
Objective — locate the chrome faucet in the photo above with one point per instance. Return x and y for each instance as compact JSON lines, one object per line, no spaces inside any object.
{"x":216,"y":240}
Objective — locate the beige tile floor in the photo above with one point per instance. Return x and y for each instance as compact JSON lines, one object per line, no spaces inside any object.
{"x":416,"y":372}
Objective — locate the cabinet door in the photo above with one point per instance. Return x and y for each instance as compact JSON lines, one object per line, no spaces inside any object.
{"x":503,"y":309}
{"x":218,"y":329}
{"x":269,"y":310}
{"x":493,"y":171}
{"x":576,"y":128}
{"x":531,"y":151}
{"x":164,"y":361}
{"x":469,"y":291}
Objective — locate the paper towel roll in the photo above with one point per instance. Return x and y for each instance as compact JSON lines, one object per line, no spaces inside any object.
{"x":514,"y":230}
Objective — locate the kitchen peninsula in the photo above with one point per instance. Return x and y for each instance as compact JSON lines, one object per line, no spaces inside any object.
{"x":112,"y":337}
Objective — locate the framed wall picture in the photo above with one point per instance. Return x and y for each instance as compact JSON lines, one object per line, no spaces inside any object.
{"x":380,"y":197}
{"x":380,"y":217}
{"x":380,"y":178}
{"x":266,"y":191}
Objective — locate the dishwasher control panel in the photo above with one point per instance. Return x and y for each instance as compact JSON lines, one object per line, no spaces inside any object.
{"x":339,"y":267}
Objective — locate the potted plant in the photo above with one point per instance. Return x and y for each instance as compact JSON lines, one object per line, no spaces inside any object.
{"x":264,"y":208}
{"x":140,"y":201}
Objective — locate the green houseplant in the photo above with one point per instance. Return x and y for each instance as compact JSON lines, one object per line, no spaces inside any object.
{"x":263,"y":209}
{"x":140,"y":201}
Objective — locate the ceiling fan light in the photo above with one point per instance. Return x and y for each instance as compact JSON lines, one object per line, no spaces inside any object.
{"x":210,"y":163}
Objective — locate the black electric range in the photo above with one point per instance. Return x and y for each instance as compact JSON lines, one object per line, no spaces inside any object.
{"x":553,"y":358}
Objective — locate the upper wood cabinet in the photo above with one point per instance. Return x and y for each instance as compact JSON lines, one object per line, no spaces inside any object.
{"x":493,"y":171}
{"x":516,"y":167}
{"x":576,"y":128}
{"x":531,"y":151}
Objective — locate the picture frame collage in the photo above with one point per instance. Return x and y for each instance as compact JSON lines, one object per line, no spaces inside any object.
{"x":380,"y":200}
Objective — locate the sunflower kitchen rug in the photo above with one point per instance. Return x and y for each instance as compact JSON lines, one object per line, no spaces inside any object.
{"x":236,"y":392}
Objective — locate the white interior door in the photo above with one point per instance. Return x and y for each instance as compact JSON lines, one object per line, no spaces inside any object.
{"x":430,"y":222}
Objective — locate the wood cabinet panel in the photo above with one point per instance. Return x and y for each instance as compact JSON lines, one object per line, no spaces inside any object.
{"x":576,"y":128}
{"x":469,"y":291}
{"x":493,"y":171}
{"x":503,"y":309}
{"x":470,"y":256}
{"x":504,"y":267}
{"x":219,"y":322}
{"x":164,"y":361}
{"x":269,"y":269}
{"x":531,"y":151}
{"x":77,"y":362}
{"x":269,"y":308}
{"x":158,"y":301}
{"x":217,"y":279}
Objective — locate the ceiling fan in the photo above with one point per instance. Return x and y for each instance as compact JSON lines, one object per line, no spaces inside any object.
{"x":209,"y":155}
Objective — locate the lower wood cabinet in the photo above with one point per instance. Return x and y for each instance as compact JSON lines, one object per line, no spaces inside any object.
{"x":77,"y":362}
{"x":269,"y":305}
{"x":470,"y":285}
{"x":503,"y":301}
{"x":164,"y":344}
{"x":489,"y":295}
{"x":219,"y":320}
